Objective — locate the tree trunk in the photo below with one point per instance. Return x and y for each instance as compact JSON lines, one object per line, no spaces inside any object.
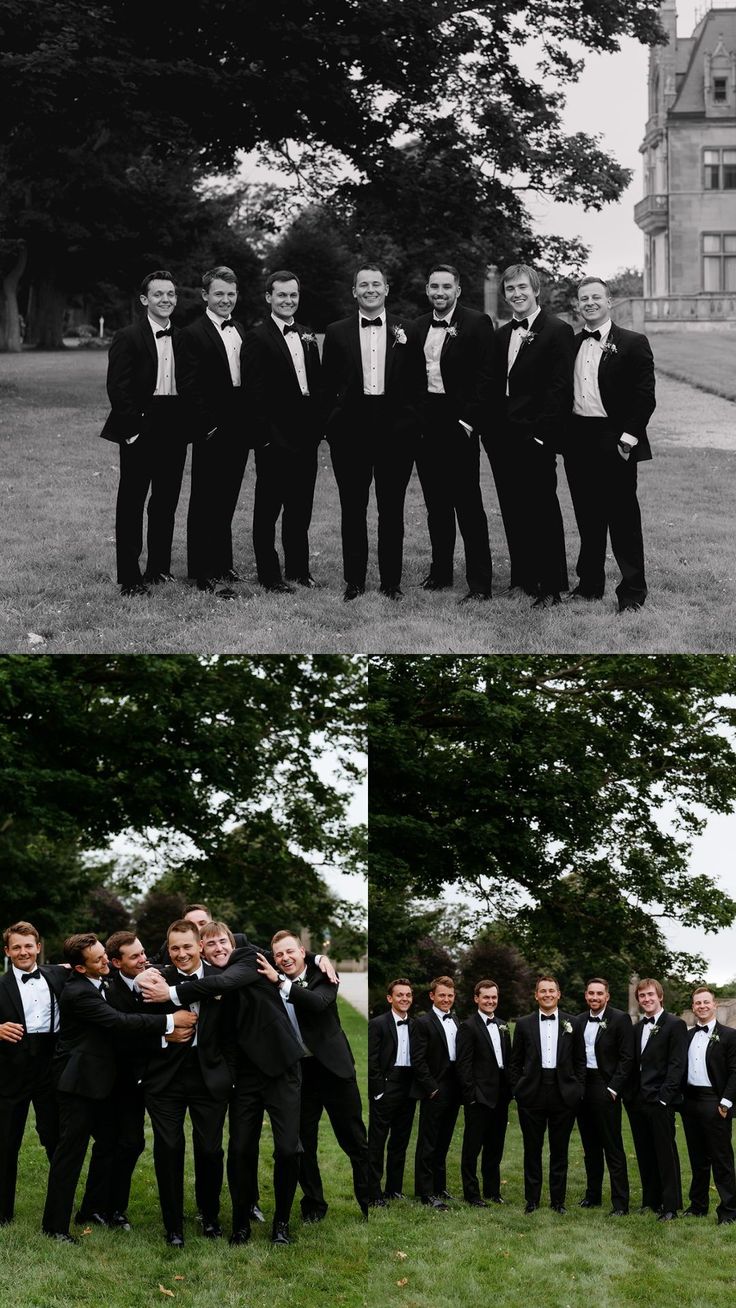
{"x":10,"y":339}
{"x":46,"y":326}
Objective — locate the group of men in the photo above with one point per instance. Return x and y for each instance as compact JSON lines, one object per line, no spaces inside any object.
{"x":386,"y":394}
{"x":219,"y":1029}
{"x":560,"y":1067}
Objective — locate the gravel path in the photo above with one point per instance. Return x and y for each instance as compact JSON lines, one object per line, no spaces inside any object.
{"x":688,"y":417}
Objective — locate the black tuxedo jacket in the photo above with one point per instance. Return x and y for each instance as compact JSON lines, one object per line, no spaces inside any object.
{"x":481,"y":1079}
{"x":216,"y":1056}
{"x":658,"y":1071}
{"x":132,"y":368}
{"x":262,"y":1029}
{"x":466,"y":362}
{"x":525,"y":1067}
{"x":85,"y":1062}
{"x":276,"y":407}
{"x":342,"y":377}
{"x":16,"y":1059}
{"x":383,"y":1047}
{"x":614,"y":1046}
{"x":132,"y":1054}
{"x":315,"y":1006}
{"x":720,"y":1061}
{"x":540,"y":383}
{"x":626,"y":384}
{"x":203,"y":378}
{"x":430,"y":1057}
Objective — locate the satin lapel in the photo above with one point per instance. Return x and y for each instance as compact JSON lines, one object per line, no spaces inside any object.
{"x":537,"y":1036}
{"x":613,"y":338}
{"x":455,"y":322}
{"x":536,"y":328}
{"x":148,"y":341}
{"x":353,"y":341}
{"x":276,"y":337}
{"x":215,"y":335}
{"x":578,"y":342}
{"x":393,"y":1035}
{"x":392,"y":345}
{"x":15,"y":999}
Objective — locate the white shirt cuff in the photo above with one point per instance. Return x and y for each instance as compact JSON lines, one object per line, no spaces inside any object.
{"x":174,"y":997}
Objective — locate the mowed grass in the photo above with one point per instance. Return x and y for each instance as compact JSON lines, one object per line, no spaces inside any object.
{"x":704,"y":359}
{"x":57,"y":497}
{"x":503,"y":1259}
{"x":327,"y":1264}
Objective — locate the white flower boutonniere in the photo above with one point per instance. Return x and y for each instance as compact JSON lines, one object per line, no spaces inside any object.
{"x":609,"y":348}
{"x":528,"y":339}
{"x":567,"y":1028}
{"x":308,"y":338}
{"x":714,"y":1039}
{"x":399,"y":334}
{"x":603,"y":1024}
{"x":654,"y":1031}
{"x":451,"y":331}
{"x":502,"y":1026}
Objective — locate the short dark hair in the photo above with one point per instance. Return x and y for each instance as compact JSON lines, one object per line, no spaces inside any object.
{"x":521,"y":270}
{"x":597,"y":981}
{"x":646,"y":982}
{"x":702,"y":990}
{"x":441,"y":981}
{"x":21,"y":929}
{"x":281,"y":275}
{"x":224,"y":273}
{"x":216,"y":929}
{"x":285,"y":935}
{"x":485,"y":984}
{"x":546,"y":977}
{"x":182,"y":924}
{"x":196,"y":908}
{"x":117,"y":941}
{"x":587,"y":281}
{"x":399,"y":981}
{"x":444,"y":267}
{"x":161,"y":275}
{"x":369,"y":267}
{"x":74,"y":947}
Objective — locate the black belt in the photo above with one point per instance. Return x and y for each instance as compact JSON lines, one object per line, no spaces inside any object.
{"x":701,"y":1092}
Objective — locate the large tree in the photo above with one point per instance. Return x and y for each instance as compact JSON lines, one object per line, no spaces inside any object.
{"x":562,"y":794}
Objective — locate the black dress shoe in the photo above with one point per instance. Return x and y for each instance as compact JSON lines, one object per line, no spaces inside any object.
{"x":394,"y":1194}
{"x":120,"y":1222}
{"x":352,"y":591}
{"x":278,"y":588}
{"x":691,"y":1212}
{"x":157,"y":578}
{"x":138,"y":588}
{"x":392,"y":592}
{"x":280,"y":1233}
{"x":307,"y":581}
{"x":546,"y":601}
{"x":175,"y":1239}
{"x":256,"y":1214}
{"x":619,"y":1212}
{"x":211,"y":1230}
{"x":558,"y":1208}
{"x":61,"y":1237}
{"x":475,"y":596}
{"x":377,"y":1203}
{"x":589,"y":1203}
{"x":431,"y":583}
{"x":629,"y":607}
{"x":230,"y":575}
{"x":530,"y":1207}
{"x":90,"y":1219}
{"x":445,"y":1194}
{"x":579,"y":593}
{"x":241,"y":1236}
{"x":476,"y":1203}
{"x":494,"y":1199}
{"x":312,"y":1217}
{"x":667,"y":1217}
{"x":434,"y":1201}
{"x":726,"y":1221}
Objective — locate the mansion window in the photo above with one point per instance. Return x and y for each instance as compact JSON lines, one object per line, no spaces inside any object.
{"x":719,"y":170}
{"x":719,"y":261}
{"x":720,"y":90}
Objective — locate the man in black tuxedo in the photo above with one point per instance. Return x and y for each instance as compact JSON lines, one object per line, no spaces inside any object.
{"x":372,"y":377}
{"x":707,"y":1112}
{"x":547,"y":1071}
{"x":210,"y":384}
{"x":660,"y":1057}
{"x":436,"y":1086}
{"x":147,"y":422}
{"x":483,"y":1057}
{"x":200,"y":915}
{"x":609,"y":1051}
{"x":457,"y":345}
{"x":529,"y":399}
{"x":329,"y":1082}
{"x":606,"y":438}
{"x":29,"y":1023}
{"x":391,"y":1111}
{"x":198,"y":1078}
{"x":281,"y":368}
{"x":84,"y":1070}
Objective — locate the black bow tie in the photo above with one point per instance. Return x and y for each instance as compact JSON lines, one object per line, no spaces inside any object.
{"x":593,"y":1019}
{"x":519,"y":322}
{"x":291,"y":327}
{"x":228,"y":323}
{"x":698,"y":1028}
{"x":547,"y":1017}
{"x":447,"y":1017}
{"x":439,"y":322}
{"x":591,"y":336}
{"x":186,"y":976}
{"x":160,"y":334}
{"x":371,"y":322}
{"x":649,"y":1019}
{"x":404,"y":1022}
{"x":30,"y":976}
{"x":490,"y":1021}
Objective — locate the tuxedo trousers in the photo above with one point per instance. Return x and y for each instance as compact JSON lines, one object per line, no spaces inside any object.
{"x":525,"y":474}
{"x":167,"y":1110}
{"x":448,"y":464}
{"x":709,"y":1146}
{"x":653,"y":1129}
{"x":218,"y":465}
{"x":279,"y":1096}
{"x":485,"y":1129}
{"x":390,"y":1120}
{"x":547,"y":1112}
{"x":33,"y":1084}
{"x":339,"y":1097}
{"x":285,"y":481}
{"x":437,"y":1118}
{"x":599,"y":1122}
{"x":109,"y":1177}
{"x":603,"y":489}
{"x":155,"y":461}
{"x":79,"y":1120}
{"x":367,"y":449}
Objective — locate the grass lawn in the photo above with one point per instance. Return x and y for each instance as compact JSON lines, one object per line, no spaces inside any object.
{"x":705,"y":359}
{"x":501,"y":1258}
{"x":57,"y":496}
{"x":326,"y":1265}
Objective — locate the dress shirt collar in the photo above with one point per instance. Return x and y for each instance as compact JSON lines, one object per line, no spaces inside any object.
{"x":555,"y":1014}
{"x":710,"y":1025}
{"x":438,"y":1013}
{"x":129,"y":981}
{"x":529,"y":317}
{"x":158,"y":326}
{"x":600,"y":1015}
{"x":301,"y":977}
{"x":603,"y":327}
{"x":213,"y":317}
{"x":19,"y":973}
{"x":381,"y":314}
{"x":282,"y":322}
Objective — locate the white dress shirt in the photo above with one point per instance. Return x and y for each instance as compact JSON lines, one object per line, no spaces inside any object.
{"x":548,"y":1032}
{"x":232,"y":342}
{"x":35,"y":996}
{"x":697,"y":1072}
{"x":294,"y":345}
{"x":166,"y":375}
{"x":590,"y":1035}
{"x":647,"y":1028}
{"x":587,"y":402}
{"x":285,"y":990}
{"x":373,"y":345}
{"x":436,"y":337}
{"x":403,"y":1055}
{"x":449,"y":1029}
{"x":495,"y":1038}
